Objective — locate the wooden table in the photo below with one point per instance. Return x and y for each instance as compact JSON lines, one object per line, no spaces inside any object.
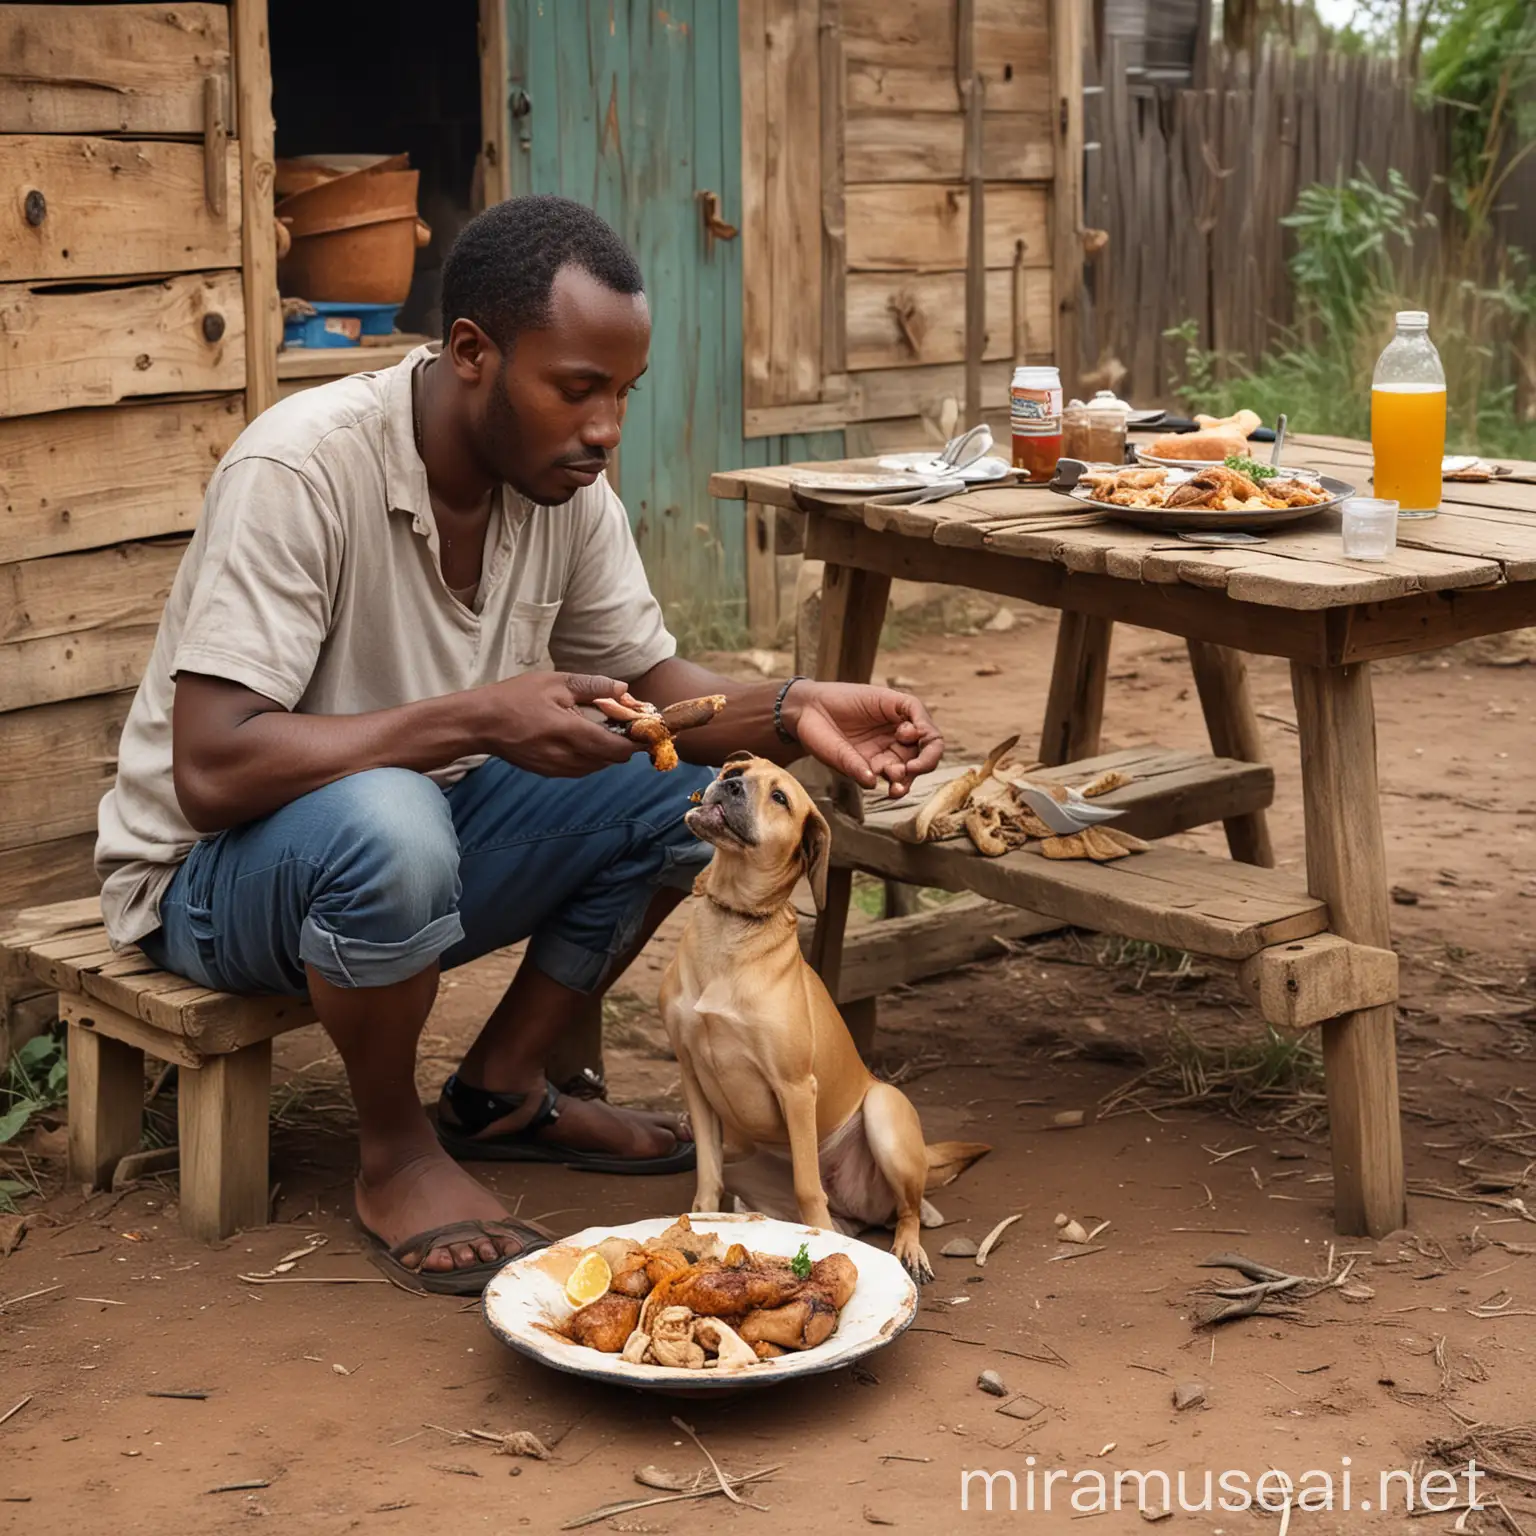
{"x":1314,"y":956}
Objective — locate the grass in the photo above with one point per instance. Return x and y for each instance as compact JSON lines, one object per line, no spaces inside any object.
{"x":35,"y":1081}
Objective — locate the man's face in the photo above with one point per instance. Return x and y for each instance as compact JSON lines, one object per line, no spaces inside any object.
{"x":546,"y":418}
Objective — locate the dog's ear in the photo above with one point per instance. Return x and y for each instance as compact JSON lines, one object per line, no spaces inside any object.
{"x":816,"y":850}
{"x":738,"y":757}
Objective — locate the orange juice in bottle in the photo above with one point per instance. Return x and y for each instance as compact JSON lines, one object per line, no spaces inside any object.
{"x":1408,"y":418}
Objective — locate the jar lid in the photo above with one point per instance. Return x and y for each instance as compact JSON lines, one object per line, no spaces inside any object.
{"x":1037,"y":375}
{"x":1106,"y":400}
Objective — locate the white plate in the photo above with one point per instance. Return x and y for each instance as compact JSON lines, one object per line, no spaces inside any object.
{"x":524,"y":1303}
{"x":856,"y":484}
{"x":927,"y":465}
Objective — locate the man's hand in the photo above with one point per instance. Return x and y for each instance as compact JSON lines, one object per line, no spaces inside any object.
{"x":532,"y":721}
{"x":867,"y":733}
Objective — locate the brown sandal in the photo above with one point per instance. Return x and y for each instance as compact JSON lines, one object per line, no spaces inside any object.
{"x":471,"y":1280}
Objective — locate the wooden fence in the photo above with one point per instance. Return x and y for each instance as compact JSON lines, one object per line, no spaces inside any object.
{"x":1190,"y":187}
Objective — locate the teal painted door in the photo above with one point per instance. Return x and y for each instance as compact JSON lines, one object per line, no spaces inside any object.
{"x":635,"y":110}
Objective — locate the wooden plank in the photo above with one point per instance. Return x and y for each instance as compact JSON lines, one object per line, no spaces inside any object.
{"x":109,"y":68}
{"x":1428,"y":621}
{"x":929,"y":146}
{"x":1179,"y":610}
{"x":782,"y":234}
{"x":893,"y":952}
{"x":1347,"y":866}
{"x":74,"y":625}
{"x":1313,"y":980}
{"x":319,"y":365}
{"x":55,"y":868}
{"x":253,"y":107}
{"x":762,"y":575}
{"x":63,"y":349}
{"x":901,"y":55}
{"x":1067,"y":191}
{"x":56,"y":762}
{"x":921,"y":226}
{"x":1165,"y":896}
{"x":109,"y":1023}
{"x":75,"y":480}
{"x":495,"y":79}
{"x":223,"y":1112}
{"x":112,"y":207}
{"x":899,"y":319}
{"x":971,"y":96}
{"x":1170,"y":791}
{"x":834,"y":177}
{"x":106,"y":1105}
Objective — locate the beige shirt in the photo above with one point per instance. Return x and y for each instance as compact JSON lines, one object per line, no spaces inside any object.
{"x":314,"y":578}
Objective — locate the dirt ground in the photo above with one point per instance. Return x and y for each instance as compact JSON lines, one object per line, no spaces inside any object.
{"x":339,"y":1400}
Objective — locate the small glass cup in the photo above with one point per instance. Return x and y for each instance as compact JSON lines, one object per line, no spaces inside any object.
{"x":1370,"y":528}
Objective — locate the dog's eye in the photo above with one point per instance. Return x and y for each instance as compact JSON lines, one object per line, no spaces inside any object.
{"x":780,"y":798}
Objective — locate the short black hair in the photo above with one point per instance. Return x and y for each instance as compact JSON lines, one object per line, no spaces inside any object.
{"x":502,"y":266}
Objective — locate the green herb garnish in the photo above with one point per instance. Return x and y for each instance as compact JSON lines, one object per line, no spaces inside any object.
{"x":1250,"y":467}
{"x":801,"y":1263}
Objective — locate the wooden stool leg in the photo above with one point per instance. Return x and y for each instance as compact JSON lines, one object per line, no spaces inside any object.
{"x":106,"y":1104}
{"x":223,"y":1112}
{"x":1347,"y":867}
{"x":862,"y":1018}
{"x":853,"y":604}
{"x":1074,"y":709}
{"x":1221,"y":676}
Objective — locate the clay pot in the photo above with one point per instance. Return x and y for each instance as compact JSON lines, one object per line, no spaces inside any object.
{"x":355,"y":238}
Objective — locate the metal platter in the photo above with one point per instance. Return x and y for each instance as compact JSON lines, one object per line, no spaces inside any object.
{"x":1171,"y":519}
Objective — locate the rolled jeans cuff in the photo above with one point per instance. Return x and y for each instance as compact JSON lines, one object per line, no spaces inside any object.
{"x":349,"y":962}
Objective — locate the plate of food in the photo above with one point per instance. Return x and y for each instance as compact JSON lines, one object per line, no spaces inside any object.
{"x":701,"y":1303}
{"x":1235,"y":494}
{"x":1215,"y":439}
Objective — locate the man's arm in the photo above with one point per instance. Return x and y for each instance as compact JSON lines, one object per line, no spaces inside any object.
{"x":238,"y":755}
{"x":870,"y":734}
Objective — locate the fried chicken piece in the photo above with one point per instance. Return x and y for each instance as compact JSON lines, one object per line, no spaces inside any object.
{"x":1141,"y":478}
{"x":730,"y":1349}
{"x":605,"y":1324}
{"x":1214,"y":487}
{"x":713,"y":1289}
{"x":694,"y":1245}
{"x":809,"y":1319}
{"x":1293,"y":493}
{"x":766,"y":1351}
{"x":661,"y":1262}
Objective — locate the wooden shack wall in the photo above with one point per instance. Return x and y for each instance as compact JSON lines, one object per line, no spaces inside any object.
{"x":855,"y":213}
{"x":138,"y":316}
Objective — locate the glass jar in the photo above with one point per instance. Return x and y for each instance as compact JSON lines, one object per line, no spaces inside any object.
{"x":1035,"y":417}
{"x":1107,"y":420}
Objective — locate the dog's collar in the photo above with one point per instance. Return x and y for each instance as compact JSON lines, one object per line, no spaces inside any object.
{"x":759,"y":916}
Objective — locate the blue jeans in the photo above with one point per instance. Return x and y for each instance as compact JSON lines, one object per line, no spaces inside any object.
{"x":374,"y":877}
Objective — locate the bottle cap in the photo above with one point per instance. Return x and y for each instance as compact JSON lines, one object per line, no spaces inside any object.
{"x":1414,"y":319}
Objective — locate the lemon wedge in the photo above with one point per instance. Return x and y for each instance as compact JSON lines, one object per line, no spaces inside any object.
{"x":589,"y":1280}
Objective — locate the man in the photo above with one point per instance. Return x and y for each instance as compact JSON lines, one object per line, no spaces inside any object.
{"x":346,"y":770}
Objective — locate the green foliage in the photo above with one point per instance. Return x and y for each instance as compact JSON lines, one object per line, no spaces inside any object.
{"x":1357,"y":261}
{"x":1250,"y":467}
{"x":35,"y":1080}
{"x":1483,"y":63}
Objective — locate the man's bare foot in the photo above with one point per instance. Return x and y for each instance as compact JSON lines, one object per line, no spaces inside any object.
{"x":416,"y":1187}
{"x":588,"y":1125}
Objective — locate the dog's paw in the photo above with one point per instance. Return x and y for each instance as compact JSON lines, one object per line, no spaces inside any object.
{"x":916,"y":1264}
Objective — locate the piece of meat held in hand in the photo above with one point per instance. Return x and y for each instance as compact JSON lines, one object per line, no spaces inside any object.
{"x":656,"y":728}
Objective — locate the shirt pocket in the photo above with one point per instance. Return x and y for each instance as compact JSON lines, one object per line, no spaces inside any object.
{"x":528,"y":632}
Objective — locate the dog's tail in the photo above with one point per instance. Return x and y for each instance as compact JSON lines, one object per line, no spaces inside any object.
{"x":947,"y":1160}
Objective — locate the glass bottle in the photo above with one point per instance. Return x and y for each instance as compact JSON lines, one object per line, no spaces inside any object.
{"x":1408,"y":418}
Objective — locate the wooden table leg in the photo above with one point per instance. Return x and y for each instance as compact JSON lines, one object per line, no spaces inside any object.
{"x":1221,"y":676}
{"x":106,"y":1104}
{"x":1074,"y":709}
{"x":853,"y":604}
{"x":1347,"y":867}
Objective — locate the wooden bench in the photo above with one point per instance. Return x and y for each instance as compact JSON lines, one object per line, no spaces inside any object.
{"x":118,"y":1006}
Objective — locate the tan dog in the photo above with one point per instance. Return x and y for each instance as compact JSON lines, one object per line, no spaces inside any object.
{"x":768,"y":1065}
